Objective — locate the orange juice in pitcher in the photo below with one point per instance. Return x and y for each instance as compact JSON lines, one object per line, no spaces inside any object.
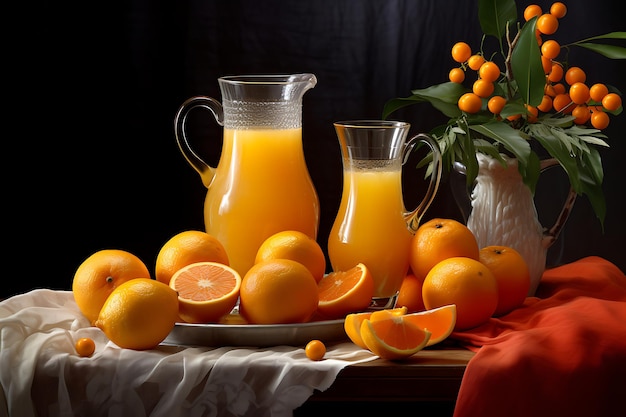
{"x":261,"y":187}
{"x":261,"y":184}
{"x":373,"y":210}
{"x":372,"y":225}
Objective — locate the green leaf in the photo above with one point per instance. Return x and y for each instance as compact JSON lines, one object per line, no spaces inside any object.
{"x":610,"y":35}
{"x":507,"y":136}
{"x":609,"y":51}
{"x":494,"y":15}
{"x":558,"y":150}
{"x":526,"y":65}
{"x":444,"y":97}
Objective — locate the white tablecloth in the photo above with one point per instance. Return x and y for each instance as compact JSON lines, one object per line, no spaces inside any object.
{"x":41,"y":374}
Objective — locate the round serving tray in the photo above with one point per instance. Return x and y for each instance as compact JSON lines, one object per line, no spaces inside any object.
{"x":255,"y":335}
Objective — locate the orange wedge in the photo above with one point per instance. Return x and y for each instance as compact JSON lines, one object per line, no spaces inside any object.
{"x":439,"y":322}
{"x":345,"y":292}
{"x":393,"y":337}
{"x":207,"y":291}
{"x":352,"y":324}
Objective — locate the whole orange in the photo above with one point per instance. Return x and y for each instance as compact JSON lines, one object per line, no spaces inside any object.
{"x":186,"y":248}
{"x":278,"y":291}
{"x":99,"y":274}
{"x":511,"y":272}
{"x":468,"y":284}
{"x":139,"y":314}
{"x":439,"y":239}
{"x":410,"y":294}
{"x":297,"y":246}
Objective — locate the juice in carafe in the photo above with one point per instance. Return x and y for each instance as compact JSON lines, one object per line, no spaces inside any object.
{"x":371,"y":226}
{"x":261,"y":187}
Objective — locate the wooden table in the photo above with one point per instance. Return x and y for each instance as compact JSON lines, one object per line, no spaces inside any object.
{"x":430,"y":380}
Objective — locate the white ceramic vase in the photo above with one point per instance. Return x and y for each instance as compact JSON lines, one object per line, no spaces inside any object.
{"x":503,"y":212}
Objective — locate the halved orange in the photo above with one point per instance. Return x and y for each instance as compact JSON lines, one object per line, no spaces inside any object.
{"x":438,"y":321}
{"x":345,"y":292}
{"x":207,"y":291}
{"x":353,"y":321}
{"x":393,"y":337}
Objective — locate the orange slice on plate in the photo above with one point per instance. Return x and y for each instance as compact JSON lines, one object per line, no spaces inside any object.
{"x":393,"y":337}
{"x":438,"y":321}
{"x":207,"y":291}
{"x":345,"y":292}
{"x":353,"y":321}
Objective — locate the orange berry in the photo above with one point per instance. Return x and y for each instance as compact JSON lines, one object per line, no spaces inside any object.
{"x":575,"y":75}
{"x":315,"y":350}
{"x":547,"y":24}
{"x":482,"y":88}
{"x":85,"y":347}
{"x":475,"y":61}
{"x":461,"y":52}
{"x":559,"y":88}
{"x":556,"y":73}
{"x":531,"y":113}
{"x":538,"y":37}
{"x":598,"y":91}
{"x":581,"y":114}
{"x":550,"y":49}
{"x":489,"y":71}
{"x":456,"y":75}
{"x":532,"y":11}
{"x":549,"y":90}
{"x":611,"y":102}
{"x":496,"y":104}
{"x":546,"y":63}
{"x":470,"y":103}
{"x":546,"y":104}
{"x":599,"y":120}
{"x":563,"y":103}
{"x":579,"y":93}
{"x":558,"y":10}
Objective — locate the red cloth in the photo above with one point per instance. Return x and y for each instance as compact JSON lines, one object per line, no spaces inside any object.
{"x":563,"y":353}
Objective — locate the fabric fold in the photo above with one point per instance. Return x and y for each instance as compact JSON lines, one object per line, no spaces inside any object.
{"x":41,"y":374}
{"x":563,"y":353}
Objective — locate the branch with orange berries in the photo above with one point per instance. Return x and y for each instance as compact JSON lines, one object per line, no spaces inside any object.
{"x":539,"y":103}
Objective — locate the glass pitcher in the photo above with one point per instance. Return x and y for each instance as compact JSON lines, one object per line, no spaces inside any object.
{"x":372,"y":225}
{"x":261,"y":184}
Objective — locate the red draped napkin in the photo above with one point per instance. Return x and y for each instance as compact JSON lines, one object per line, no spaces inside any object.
{"x":563,"y":353}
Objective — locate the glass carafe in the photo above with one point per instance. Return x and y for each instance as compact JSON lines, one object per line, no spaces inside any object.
{"x":261,"y":184}
{"x":372,"y":225}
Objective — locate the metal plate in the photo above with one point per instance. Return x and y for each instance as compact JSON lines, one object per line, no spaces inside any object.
{"x":255,"y":335}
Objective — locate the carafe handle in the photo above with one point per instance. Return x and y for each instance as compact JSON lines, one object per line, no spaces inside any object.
{"x":414,"y":217}
{"x":206,"y":171}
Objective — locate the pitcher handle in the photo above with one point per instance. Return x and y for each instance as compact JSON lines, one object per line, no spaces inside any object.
{"x":414,"y":217}
{"x":206,"y":171}
{"x":551,"y":234}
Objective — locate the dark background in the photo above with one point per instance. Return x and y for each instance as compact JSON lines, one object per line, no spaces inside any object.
{"x":91,"y":161}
